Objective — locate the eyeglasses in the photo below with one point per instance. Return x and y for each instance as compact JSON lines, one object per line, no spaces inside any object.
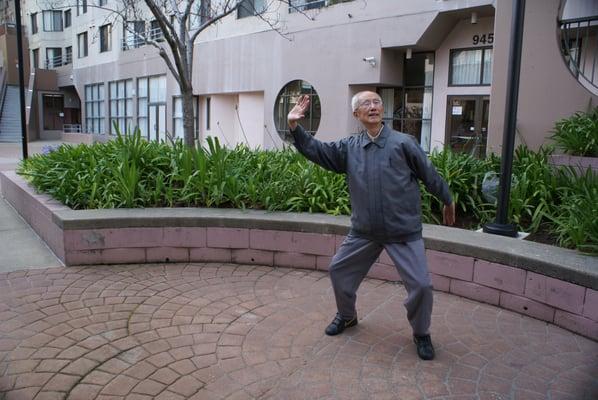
{"x":369,"y":103}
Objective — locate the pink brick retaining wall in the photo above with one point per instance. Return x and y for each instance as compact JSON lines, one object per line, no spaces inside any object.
{"x":565,"y":304}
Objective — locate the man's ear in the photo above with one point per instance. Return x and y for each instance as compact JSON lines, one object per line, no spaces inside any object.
{"x":355,"y":114}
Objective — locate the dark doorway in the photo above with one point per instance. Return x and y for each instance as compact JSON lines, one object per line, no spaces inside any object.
{"x":53,"y":112}
{"x":467,"y":124}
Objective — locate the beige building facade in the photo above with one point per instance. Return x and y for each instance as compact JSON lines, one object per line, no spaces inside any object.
{"x":439,"y":65}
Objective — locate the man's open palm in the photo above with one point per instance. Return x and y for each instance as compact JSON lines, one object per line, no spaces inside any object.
{"x":298,"y":111}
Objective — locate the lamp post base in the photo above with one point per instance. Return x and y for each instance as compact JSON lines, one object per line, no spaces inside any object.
{"x":501,"y":229}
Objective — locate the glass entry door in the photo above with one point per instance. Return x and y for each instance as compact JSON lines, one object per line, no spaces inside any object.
{"x":467,"y":124}
{"x":157,"y":122}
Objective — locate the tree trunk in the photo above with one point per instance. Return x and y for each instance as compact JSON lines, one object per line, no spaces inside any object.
{"x":188,"y":117}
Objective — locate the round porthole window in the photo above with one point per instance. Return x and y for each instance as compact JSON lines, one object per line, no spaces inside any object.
{"x":286,"y":100}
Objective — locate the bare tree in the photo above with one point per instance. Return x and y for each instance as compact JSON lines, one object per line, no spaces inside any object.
{"x":179,"y":23}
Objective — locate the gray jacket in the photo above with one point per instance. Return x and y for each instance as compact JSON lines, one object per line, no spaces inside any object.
{"x":383,"y":180}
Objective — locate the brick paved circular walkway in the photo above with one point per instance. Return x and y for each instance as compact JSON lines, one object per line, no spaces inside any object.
{"x":240,"y":332}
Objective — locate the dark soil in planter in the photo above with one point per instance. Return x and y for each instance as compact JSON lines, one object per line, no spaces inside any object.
{"x":543,"y":235}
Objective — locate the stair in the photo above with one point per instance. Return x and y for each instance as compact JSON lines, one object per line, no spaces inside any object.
{"x":10,"y":116}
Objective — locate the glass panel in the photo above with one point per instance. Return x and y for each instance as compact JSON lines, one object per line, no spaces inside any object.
{"x":487,"y":78}
{"x":413,"y":103}
{"x":426,"y":132}
{"x":142,"y":87}
{"x":466,"y":67}
{"x":462,"y":125}
{"x":415,"y":70}
{"x":429,"y":69}
{"x":129,"y":107}
{"x":154,"y":89}
{"x":142,"y":110}
{"x":427,"y":104}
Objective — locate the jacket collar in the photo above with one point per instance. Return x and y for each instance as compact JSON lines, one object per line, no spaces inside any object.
{"x":380,"y":141}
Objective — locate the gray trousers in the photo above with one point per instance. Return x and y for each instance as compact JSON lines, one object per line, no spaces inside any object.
{"x":355,"y":257}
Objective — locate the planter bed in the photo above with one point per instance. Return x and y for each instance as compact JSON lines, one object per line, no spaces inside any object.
{"x":556,"y":285}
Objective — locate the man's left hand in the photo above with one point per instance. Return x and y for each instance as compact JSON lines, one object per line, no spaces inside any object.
{"x":448,"y":214}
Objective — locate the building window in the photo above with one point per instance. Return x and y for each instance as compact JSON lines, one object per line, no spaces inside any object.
{"x":68,"y":55}
{"x":208,"y":116}
{"x":286,"y":100}
{"x":102,"y":2}
{"x":177,"y":117}
{"x":35,"y":56}
{"x":82,"y":45}
{"x":248,"y":8}
{"x":67,"y":18}
{"x":409,"y":109}
{"x":151,"y":99}
{"x":81,"y":7}
{"x":53,"y":57}
{"x":471,"y":67}
{"x":121,"y":105}
{"x":52,"y":20}
{"x":94,"y":108}
{"x":34,"y":28}
{"x":105,"y":38}
{"x":134,"y":34}
{"x":155,"y":31}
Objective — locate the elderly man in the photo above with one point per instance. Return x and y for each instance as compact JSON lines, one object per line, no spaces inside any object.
{"x":382,"y":167}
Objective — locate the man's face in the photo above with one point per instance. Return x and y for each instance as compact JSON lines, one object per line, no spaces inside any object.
{"x":370,"y":109}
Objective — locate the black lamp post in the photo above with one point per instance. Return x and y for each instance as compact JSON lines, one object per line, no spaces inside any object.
{"x":21,"y":77}
{"x":500,"y":226}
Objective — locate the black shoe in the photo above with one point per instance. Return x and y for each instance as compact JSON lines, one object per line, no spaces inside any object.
{"x":339,"y":324}
{"x":425,"y":350}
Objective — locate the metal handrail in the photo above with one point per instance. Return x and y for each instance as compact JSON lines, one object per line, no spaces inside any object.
{"x":581,"y":59}
{"x":303,"y":5}
{"x":140,"y":38}
{"x":72,"y":128}
{"x":59,"y":61}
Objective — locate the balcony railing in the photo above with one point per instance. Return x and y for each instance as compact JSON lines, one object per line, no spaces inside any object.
{"x":138,"y":39}
{"x":304,"y":5}
{"x":59,"y":61}
{"x":579,"y":38}
{"x":71,"y":128}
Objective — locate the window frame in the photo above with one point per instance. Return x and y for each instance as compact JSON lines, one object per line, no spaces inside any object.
{"x":86,"y":48}
{"x":105,"y":42}
{"x":126,"y":119}
{"x":95,"y":104}
{"x":68,"y":18}
{"x":450,"y":74}
{"x":54,"y":24}
{"x":35,"y":57}
{"x":34,"y":27}
{"x":50,"y":64}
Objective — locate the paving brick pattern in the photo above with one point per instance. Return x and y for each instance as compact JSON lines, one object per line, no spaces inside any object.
{"x":222,"y":331}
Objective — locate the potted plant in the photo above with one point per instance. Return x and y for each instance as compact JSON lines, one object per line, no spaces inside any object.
{"x":577,"y":137}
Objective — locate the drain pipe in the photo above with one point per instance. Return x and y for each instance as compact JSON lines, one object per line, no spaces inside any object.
{"x":21,"y":77}
{"x":500,"y":226}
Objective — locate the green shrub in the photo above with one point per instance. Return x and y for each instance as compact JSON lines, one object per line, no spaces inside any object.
{"x":574,"y":219}
{"x":132,"y":172}
{"x":578,"y":134}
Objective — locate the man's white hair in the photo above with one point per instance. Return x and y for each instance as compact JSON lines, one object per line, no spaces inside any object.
{"x":355,"y":99}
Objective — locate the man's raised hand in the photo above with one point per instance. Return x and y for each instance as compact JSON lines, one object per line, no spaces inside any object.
{"x":298,"y":111}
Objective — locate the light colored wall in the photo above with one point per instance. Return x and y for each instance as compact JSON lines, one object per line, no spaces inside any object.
{"x":223,"y":123}
{"x":460,"y":37}
{"x":548,"y":91}
{"x":266,"y":62}
{"x":251,"y":114}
